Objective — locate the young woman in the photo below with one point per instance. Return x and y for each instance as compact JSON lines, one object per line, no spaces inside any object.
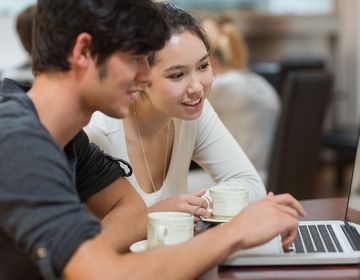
{"x":172,"y":123}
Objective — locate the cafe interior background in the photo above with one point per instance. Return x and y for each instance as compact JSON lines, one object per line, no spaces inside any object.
{"x":285,"y":38}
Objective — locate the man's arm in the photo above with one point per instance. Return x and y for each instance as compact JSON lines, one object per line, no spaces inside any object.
{"x":96,"y":260}
{"x":123,"y":214}
{"x":257,"y":224}
{"x":101,"y":184}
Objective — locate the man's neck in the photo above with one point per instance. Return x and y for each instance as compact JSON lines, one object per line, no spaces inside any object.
{"x":58,"y":104}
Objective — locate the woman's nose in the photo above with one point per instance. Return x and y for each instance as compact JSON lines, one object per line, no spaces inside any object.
{"x":195,"y":86}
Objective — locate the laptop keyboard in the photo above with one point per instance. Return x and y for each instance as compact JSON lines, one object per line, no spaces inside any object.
{"x":316,"y":239}
{"x":352,"y":235}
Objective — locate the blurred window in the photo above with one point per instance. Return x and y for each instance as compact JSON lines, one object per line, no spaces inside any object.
{"x":220,"y":4}
{"x":303,"y":7}
{"x":13,"y":7}
{"x":297,"y":7}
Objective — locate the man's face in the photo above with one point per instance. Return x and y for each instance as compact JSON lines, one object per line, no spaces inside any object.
{"x":114,"y":85}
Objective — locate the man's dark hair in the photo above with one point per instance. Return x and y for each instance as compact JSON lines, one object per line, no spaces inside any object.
{"x":126,"y":25}
{"x":24,"y":23}
{"x":180,"y":21}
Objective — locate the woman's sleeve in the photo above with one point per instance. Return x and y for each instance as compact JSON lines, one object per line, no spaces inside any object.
{"x":221,"y":156}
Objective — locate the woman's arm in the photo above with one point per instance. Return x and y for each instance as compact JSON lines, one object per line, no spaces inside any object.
{"x":221,"y":156}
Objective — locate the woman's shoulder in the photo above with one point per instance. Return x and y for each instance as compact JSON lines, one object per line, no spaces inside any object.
{"x":100,"y":121}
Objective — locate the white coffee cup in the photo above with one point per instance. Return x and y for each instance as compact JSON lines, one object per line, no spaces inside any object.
{"x":226,"y":202}
{"x":169,"y":228}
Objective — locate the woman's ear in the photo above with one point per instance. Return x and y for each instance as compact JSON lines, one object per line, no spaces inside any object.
{"x":80,"y":55}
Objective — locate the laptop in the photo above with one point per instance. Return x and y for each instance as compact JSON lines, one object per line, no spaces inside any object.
{"x":317,"y":242}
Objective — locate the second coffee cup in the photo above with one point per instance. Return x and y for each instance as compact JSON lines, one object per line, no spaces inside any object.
{"x":227,"y":201}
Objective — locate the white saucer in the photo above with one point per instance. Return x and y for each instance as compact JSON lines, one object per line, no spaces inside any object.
{"x":139,"y":246}
{"x":215,"y":220}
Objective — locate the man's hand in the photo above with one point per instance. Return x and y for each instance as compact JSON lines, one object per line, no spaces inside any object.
{"x":267,"y":218}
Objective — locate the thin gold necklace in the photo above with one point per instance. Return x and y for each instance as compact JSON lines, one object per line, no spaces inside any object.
{"x":144,"y":154}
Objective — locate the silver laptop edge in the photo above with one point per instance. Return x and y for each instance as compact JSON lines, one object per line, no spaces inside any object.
{"x":348,"y":256}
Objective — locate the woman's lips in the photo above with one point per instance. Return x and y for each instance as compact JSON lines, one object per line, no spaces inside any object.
{"x":194,"y":104}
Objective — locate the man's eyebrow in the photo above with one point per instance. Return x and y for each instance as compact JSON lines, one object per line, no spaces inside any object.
{"x":179,"y":66}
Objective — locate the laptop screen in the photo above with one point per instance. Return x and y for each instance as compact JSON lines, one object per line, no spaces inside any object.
{"x":353,"y":209}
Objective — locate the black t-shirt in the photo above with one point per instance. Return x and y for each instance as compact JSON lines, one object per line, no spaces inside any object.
{"x":42,"y":219}
{"x":95,"y":170}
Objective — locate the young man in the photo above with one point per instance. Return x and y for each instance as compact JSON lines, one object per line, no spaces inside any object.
{"x":90,"y":55}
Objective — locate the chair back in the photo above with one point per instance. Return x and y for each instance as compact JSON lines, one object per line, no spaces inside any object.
{"x":302,"y":64}
{"x":295,"y":155}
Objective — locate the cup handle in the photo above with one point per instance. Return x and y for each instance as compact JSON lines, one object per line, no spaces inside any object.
{"x":209,"y":201}
{"x":161,"y":232}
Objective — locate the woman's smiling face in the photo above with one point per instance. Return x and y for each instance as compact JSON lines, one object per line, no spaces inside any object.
{"x":181,"y":77}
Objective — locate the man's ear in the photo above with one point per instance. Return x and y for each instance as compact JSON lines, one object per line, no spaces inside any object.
{"x":80,"y":55}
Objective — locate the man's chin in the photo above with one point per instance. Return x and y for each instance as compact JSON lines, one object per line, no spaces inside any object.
{"x":118,"y":114}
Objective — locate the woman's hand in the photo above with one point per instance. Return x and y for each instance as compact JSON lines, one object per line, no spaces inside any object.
{"x":191,"y":203}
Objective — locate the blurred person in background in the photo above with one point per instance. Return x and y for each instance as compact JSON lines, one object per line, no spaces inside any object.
{"x":246,"y":103}
{"x":24,"y":22}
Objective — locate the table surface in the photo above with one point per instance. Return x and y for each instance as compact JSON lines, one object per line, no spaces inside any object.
{"x":317,"y":209}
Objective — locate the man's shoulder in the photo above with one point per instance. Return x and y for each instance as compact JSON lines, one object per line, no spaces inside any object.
{"x":15,"y":117}
{"x":20,"y":128}
{"x":24,"y":136}
{"x":13,"y":97}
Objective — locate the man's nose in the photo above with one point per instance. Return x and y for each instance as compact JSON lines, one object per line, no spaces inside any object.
{"x":143,"y":75}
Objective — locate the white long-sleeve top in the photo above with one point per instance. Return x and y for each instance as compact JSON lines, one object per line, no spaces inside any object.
{"x":204,"y":140}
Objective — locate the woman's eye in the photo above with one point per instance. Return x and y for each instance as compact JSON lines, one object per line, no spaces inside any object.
{"x":176,"y":76}
{"x":204,"y":66}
